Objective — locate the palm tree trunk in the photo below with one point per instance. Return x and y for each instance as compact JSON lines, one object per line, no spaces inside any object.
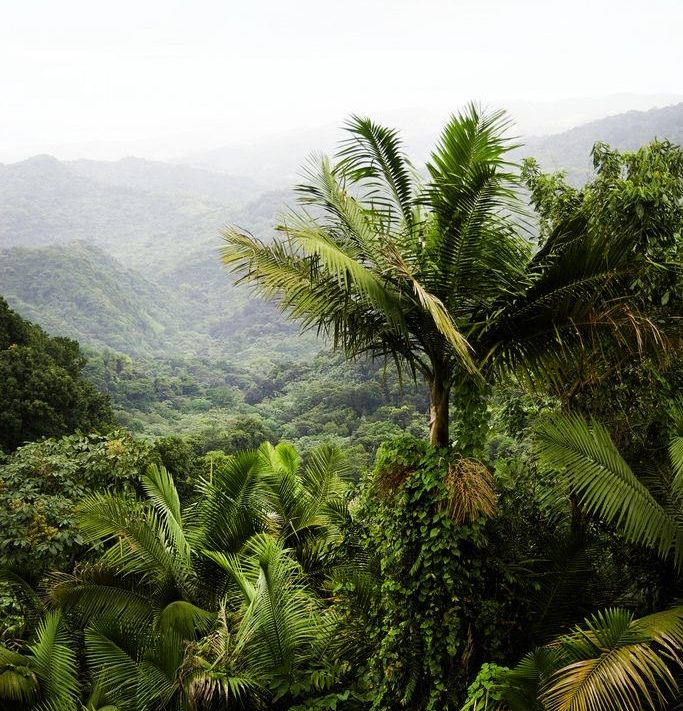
{"x":439,"y":395}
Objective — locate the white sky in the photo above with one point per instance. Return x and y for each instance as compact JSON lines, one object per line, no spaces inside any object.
{"x":90,"y":70}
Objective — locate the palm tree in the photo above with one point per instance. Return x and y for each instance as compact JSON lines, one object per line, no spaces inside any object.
{"x":216,"y":604}
{"x":271,"y":630}
{"x":434,"y":274}
{"x":647,"y":507}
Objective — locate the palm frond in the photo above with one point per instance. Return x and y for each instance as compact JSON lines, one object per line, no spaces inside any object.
{"x":160,"y":489}
{"x":373,"y":157}
{"x":142,"y":544}
{"x":18,"y":680}
{"x":593,"y":468}
{"x":282,"y":621}
{"x":615,"y":661}
{"x":216,"y":672}
{"x":471,"y":193}
{"x":312,"y":297}
{"x":676,"y":446}
{"x":114,"y":667}
{"x":346,"y":269}
{"x":231,"y":504}
{"x":435,"y":308}
{"x":232,"y":565}
{"x":54,"y":661}
{"x":185,"y":619}
{"x":98,"y":592}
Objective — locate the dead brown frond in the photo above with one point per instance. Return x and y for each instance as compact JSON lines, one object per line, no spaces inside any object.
{"x":471,"y":492}
{"x":633,"y":331}
{"x":390,"y":478}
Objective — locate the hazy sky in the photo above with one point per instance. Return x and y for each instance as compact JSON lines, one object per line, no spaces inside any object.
{"x":82,"y":70}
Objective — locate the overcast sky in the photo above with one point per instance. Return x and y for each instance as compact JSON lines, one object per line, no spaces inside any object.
{"x":89,"y":70}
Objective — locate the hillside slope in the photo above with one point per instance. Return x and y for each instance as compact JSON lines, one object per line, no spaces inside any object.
{"x":170,"y":179}
{"x":76,"y":290}
{"x":570,"y":150}
{"x":43,"y":202}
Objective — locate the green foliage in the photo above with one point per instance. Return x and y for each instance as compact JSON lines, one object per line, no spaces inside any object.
{"x":356,"y":405}
{"x":43,"y":392}
{"x":485,"y":692}
{"x":115,"y":307}
{"x":434,"y":577}
{"x":377,"y":272}
{"x":637,"y":197}
{"x":44,"y":675}
{"x":41,"y":484}
{"x":258,"y":579}
{"x":218,"y":602}
{"x":647,"y":510}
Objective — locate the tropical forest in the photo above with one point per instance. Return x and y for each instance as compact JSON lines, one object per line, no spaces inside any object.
{"x":430,"y":457}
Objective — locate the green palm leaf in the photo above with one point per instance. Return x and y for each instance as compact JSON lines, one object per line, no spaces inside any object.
{"x":100,"y":592}
{"x":114,"y":667}
{"x":160,"y":489}
{"x":18,"y":680}
{"x":613,"y":661}
{"x":54,"y":662}
{"x":617,"y":662}
{"x":231,"y":504}
{"x":373,"y":156}
{"x":605,"y":484}
{"x":676,"y":447}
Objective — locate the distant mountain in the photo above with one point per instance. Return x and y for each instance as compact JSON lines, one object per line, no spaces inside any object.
{"x":278,"y":160}
{"x":147,"y":275}
{"x":76,"y":290}
{"x":419,"y":124}
{"x":171,"y":179}
{"x":43,"y":201}
{"x":570,"y":150}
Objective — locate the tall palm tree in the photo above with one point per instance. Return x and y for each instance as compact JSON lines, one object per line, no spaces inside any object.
{"x":435,"y":274}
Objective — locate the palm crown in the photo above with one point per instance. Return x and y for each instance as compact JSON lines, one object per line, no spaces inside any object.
{"x":432,"y":273}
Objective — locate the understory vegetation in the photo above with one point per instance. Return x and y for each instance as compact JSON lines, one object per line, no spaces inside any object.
{"x":473,"y":500}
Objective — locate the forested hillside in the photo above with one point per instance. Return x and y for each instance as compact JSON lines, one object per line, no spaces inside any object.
{"x":126,"y":259}
{"x":570,"y":150}
{"x":76,"y":289}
